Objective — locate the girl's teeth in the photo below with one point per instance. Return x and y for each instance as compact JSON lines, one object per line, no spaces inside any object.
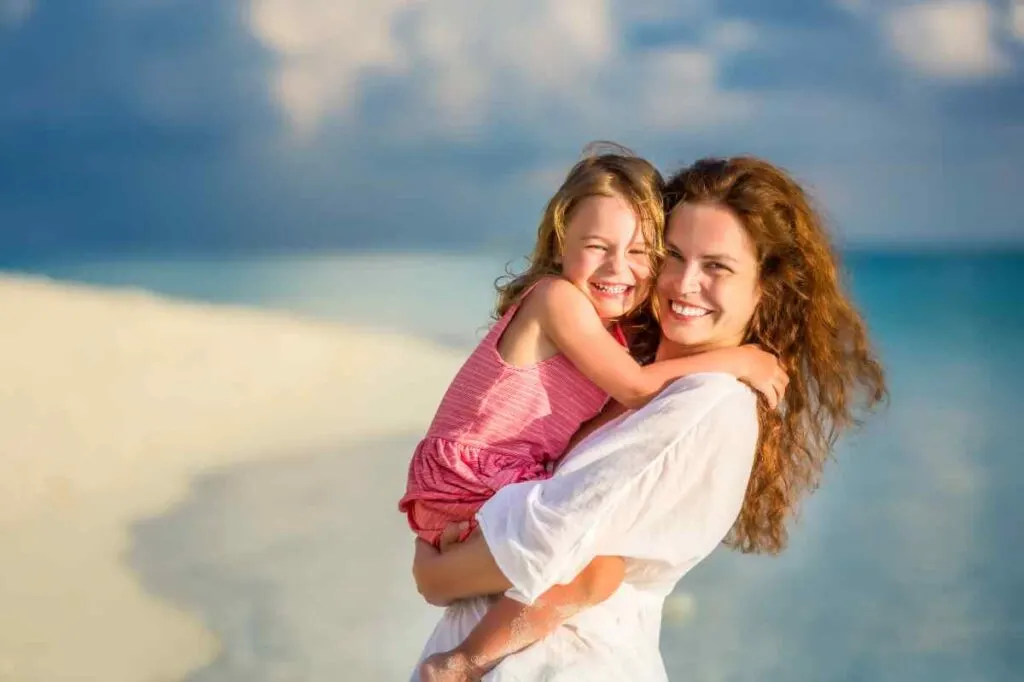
{"x":617,"y":289}
{"x":688,"y":310}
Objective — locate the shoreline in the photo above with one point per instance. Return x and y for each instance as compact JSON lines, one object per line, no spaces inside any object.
{"x":113,"y":402}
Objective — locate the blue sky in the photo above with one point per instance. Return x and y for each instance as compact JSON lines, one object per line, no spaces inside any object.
{"x":190,"y":125}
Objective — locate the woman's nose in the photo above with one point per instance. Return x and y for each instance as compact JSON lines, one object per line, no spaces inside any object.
{"x":688,"y":280}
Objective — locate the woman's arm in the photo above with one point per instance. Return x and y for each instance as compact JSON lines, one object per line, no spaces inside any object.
{"x":466,"y":569}
{"x":510,"y":626}
{"x":659,"y":472}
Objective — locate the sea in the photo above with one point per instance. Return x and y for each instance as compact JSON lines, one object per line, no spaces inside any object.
{"x":907,"y":565}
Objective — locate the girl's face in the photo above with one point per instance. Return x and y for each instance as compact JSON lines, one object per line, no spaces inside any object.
{"x":605,"y":255}
{"x":708,"y":288}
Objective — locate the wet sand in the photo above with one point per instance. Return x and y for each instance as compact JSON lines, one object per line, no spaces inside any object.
{"x":119,"y":406}
{"x":300,"y":566}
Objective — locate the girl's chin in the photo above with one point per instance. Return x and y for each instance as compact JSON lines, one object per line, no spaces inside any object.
{"x":610,"y":310}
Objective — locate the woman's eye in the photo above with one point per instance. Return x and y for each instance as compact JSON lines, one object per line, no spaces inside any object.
{"x":717,"y":267}
{"x":600,"y":247}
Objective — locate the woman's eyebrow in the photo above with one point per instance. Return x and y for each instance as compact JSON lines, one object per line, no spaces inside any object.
{"x":719,"y":256}
{"x":707,"y":256}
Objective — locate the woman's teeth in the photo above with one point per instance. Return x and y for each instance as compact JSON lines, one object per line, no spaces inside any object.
{"x":688,"y":310}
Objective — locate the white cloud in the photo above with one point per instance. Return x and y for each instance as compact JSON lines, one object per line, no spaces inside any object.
{"x":323,"y":47}
{"x":679,"y":89}
{"x":476,"y":61}
{"x":732,"y":36}
{"x":13,"y":13}
{"x":464,"y":66}
{"x":951,"y":39}
{"x":1017,"y":19}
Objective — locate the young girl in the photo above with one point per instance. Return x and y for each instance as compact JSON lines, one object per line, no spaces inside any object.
{"x":557,"y":350}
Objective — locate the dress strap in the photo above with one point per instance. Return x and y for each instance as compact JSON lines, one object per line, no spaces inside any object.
{"x":619,"y":335}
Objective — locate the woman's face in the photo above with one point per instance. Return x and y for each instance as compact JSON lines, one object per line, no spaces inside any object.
{"x":708,"y":288}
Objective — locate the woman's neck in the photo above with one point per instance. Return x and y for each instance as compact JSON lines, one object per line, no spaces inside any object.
{"x":670,"y":350}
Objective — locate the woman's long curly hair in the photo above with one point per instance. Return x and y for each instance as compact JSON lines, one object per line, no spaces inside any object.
{"x":807,"y":320}
{"x":606,"y":169}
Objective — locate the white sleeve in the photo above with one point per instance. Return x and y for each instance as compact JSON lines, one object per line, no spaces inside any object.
{"x":651,"y":487}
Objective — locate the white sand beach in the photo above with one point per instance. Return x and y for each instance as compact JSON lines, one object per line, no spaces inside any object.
{"x":111,"y":402}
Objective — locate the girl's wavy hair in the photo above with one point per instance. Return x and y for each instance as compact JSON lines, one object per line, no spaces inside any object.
{"x":807,"y":320}
{"x":605,"y":169}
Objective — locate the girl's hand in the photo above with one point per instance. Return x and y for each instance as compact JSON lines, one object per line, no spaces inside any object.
{"x":449,"y":666}
{"x":764,"y":374}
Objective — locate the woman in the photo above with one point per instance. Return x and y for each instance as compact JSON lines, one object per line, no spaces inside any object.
{"x":648,"y":494}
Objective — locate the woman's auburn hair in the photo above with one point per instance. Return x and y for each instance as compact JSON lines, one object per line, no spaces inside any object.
{"x":806,"y":319}
{"x":606,"y":169}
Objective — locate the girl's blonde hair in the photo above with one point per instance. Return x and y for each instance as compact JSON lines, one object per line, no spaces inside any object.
{"x":607,"y":170}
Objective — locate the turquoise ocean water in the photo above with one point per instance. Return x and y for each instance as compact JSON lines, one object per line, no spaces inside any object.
{"x":907,"y":565}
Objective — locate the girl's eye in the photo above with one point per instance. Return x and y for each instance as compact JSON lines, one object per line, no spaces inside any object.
{"x":600,"y":247}
{"x":674,"y":255}
{"x":638,"y":252}
{"x":717,"y":267}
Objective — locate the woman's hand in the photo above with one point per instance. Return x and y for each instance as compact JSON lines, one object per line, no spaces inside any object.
{"x":465,"y":569}
{"x":451,"y":534}
{"x":764,"y":374}
{"x":424,"y":562}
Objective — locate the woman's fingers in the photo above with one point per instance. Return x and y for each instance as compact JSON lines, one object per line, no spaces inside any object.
{"x":780,"y":383}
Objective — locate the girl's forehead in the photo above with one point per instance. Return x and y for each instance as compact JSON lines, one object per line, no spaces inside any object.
{"x":603,"y":215}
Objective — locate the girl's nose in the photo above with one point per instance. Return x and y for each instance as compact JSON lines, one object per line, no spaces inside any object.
{"x":617,"y":262}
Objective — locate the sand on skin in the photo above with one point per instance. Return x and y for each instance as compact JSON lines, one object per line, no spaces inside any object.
{"x":111,"y":401}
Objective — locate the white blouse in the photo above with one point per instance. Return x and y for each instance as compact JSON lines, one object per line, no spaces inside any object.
{"x":661,"y":487}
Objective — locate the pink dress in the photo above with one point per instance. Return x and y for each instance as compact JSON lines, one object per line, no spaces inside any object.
{"x":497,"y":424}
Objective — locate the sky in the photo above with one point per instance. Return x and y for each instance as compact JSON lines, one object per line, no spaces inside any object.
{"x":295,"y":125}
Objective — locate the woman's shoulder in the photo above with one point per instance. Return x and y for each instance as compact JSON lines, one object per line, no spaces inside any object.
{"x":718,"y":389}
{"x":707,"y":400}
{"x":721,"y":382}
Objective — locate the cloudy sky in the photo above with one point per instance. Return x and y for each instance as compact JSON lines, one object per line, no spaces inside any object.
{"x":191,"y":125}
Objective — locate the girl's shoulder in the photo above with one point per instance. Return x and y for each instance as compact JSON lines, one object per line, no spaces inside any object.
{"x":545,"y":288}
{"x":553,"y":294}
